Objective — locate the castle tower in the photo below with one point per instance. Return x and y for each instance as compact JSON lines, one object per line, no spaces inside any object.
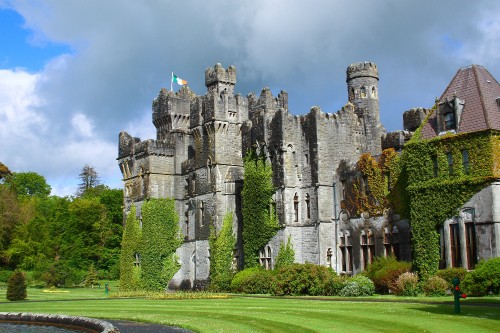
{"x":362,"y":88}
{"x":218,"y":79}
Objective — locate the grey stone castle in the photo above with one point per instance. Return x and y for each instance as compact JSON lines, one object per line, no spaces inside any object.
{"x":197,"y":159}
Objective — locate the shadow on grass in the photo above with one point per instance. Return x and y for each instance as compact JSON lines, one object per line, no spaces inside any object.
{"x":467,"y":310}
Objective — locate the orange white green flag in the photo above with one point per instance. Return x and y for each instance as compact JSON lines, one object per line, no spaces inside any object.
{"x":177,"y":80}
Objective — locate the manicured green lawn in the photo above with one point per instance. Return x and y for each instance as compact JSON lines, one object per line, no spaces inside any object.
{"x":248,"y":314}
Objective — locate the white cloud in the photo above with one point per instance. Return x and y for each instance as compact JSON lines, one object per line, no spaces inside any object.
{"x":82,"y":125}
{"x":71,"y":112}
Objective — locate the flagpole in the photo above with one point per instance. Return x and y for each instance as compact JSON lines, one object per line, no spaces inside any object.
{"x":171,"y":82}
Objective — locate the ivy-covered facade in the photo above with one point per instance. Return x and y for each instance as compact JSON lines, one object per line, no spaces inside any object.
{"x":335,"y":192}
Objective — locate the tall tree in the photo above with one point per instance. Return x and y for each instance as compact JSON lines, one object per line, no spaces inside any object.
{"x":28,"y":184}
{"x":89,"y":179}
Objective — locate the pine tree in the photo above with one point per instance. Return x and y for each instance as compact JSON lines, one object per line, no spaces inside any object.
{"x":16,"y":286}
{"x":89,"y":179}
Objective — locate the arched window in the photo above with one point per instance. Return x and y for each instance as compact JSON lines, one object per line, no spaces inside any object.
{"x":374,"y":92}
{"x":345,"y":246}
{"x":265,"y":257}
{"x":308,"y":206}
{"x":296,"y":207}
{"x":351,"y":94}
{"x":362,"y":92}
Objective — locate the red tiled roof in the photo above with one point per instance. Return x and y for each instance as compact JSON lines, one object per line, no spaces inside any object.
{"x":479,"y":90}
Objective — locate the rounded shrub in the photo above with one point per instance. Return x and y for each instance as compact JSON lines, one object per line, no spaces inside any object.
{"x":407,"y":284}
{"x":358,"y":285}
{"x":484,"y":279}
{"x":335,"y":284}
{"x":252,"y":281}
{"x":435,"y":286}
{"x":301,"y":279}
{"x":384,"y":272}
{"x":16,"y":286}
{"x":448,"y":274}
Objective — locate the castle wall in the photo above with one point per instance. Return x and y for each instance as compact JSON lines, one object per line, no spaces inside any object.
{"x":198,"y":160}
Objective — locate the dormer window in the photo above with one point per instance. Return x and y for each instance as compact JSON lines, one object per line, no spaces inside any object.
{"x":449,"y":121}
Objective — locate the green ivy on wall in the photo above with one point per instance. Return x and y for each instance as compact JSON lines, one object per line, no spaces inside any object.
{"x":259,"y":220}
{"x":436,"y":189}
{"x":381,"y":191}
{"x":130,"y":271}
{"x":221,"y":255}
{"x":160,"y":239}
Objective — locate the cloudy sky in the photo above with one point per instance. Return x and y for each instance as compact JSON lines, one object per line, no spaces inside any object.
{"x":73,"y":74}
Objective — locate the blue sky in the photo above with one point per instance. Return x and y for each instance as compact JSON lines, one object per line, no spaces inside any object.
{"x":19,"y":46}
{"x":73,"y":74}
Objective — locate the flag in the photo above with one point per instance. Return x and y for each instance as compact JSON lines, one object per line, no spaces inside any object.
{"x":178,"y":80}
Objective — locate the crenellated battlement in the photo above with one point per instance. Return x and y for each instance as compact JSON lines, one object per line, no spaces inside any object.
{"x":362,"y":69}
{"x":218,"y":74}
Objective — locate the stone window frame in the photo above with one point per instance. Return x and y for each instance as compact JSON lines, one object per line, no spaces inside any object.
{"x":345,"y":247}
{"x":367,"y":247}
{"x":374,"y":92}
{"x":362,"y":92}
{"x":265,"y":257}
{"x":307,"y":199}
{"x":296,"y":207}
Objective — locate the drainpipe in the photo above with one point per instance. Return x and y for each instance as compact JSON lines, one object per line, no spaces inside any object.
{"x":335,"y":219}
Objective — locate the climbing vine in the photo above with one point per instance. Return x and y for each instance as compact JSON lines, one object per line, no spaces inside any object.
{"x":160,"y":239}
{"x":259,"y":220}
{"x":130,"y":272}
{"x":439,"y":181}
{"x":221,"y":255}
{"x":374,"y":189}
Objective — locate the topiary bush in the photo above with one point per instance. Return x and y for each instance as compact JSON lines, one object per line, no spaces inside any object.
{"x":407,"y":285}
{"x":384,"y":272}
{"x":484,"y":279}
{"x":435,"y":286}
{"x":358,"y":285}
{"x":449,"y":273}
{"x":253,"y":280}
{"x":16,"y":286}
{"x":301,"y":279}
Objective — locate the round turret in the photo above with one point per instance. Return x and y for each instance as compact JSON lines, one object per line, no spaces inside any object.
{"x":362,"y":69}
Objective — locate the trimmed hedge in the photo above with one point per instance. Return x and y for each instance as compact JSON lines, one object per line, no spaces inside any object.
{"x":484,"y":279}
{"x":302,"y":279}
{"x":253,"y":280}
{"x":358,"y":285}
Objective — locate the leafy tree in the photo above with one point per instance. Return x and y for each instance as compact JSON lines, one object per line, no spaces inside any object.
{"x":29,"y":184}
{"x":160,"y":239}
{"x":221,"y":249}
{"x":4,"y":171}
{"x":130,"y":271}
{"x":89,"y":179}
{"x":16,"y":287}
{"x":259,"y":220}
